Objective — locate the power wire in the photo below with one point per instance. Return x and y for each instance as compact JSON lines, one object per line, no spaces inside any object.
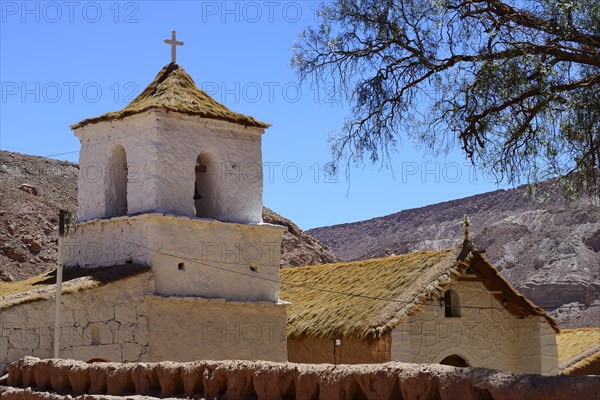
{"x":391,"y":300}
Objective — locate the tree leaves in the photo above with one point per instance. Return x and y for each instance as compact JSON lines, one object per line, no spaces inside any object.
{"x":515,"y":84}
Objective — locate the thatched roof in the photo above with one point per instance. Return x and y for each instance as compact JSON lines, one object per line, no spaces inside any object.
{"x":174,"y":90}
{"x":577,"y":348}
{"x":368,"y":298}
{"x":41,"y":287}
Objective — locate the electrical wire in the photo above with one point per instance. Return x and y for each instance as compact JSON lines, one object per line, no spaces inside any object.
{"x":343,"y":293}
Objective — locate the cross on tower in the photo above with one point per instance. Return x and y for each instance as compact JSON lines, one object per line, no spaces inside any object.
{"x":174,"y":43}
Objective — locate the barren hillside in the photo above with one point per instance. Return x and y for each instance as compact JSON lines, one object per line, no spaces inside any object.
{"x":33,"y":189}
{"x":549,"y":251}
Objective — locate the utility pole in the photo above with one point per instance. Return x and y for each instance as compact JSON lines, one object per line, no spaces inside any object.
{"x":59,"y":278}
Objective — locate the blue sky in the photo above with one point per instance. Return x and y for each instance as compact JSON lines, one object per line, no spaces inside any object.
{"x":61,"y":62}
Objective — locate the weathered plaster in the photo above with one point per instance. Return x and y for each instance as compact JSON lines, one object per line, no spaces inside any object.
{"x":161,"y":150}
{"x":484,"y":337}
{"x":108,"y":322}
{"x":189,"y":256}
{"x":192,"y":328}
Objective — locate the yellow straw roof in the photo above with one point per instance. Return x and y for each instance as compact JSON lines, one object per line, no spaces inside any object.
{"x":577,"y":348}
{"x":42,"y":287}
{"x":368,"y":298}
{"x":174,"y":90}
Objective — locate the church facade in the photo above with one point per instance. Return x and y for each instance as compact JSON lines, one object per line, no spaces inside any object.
{"x":170,"y":260}
{"x":170,"y":201}
{"x":443,"y":306}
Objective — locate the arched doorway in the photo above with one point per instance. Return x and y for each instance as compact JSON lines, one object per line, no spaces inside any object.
{"x":455,"y":361}
{"x":97,"y":360}
{"x":205,"y":186}
{"x":116,"y":185}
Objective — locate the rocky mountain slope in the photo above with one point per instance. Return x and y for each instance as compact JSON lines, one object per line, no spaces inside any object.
{"x":549,"y":251}
{"x":33,"y":189}
{"x":298,"y":248}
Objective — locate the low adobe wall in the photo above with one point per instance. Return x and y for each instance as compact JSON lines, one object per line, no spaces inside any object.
{"x":270,"y":380}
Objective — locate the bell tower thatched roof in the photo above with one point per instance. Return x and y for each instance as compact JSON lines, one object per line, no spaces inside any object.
{"x":174,"y":90}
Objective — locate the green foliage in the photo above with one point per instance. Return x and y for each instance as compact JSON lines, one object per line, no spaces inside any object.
{"x":514,"y":83}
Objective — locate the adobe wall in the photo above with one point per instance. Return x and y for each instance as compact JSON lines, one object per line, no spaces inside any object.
{"x":161,"y":150}
{"x":108,"y":242}
{"x":352,"y":350}
{"x":488,"y":337}
{"x":109,"y":322}
{"x":187,"y":329}
{"x":218,"y":260}
{"x":52,"y":379}
{"x":236,"y":166}
{"x":125,"y":321}
{"x":136,"y":134}
{"x":233,"y":261}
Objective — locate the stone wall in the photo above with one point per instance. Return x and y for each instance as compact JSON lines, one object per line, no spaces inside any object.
{"x":109,"y":322}
{"x":48,"y":379}
{"x":125,"y":321}
{"x":487,"y":337}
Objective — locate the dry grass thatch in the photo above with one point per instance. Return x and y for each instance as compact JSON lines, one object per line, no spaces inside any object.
{"x":385,"y":292}
{"x":577,"y":348}
{"x":74,"y":280}
{"x":174,"y":90}
{"x":327,"y":313}
{"x":585,"y":366}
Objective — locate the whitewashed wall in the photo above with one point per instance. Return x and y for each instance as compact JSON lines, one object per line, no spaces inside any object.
{"x":137,"y":135}
{"x":189,"y":256}
{"x":109,"y":322}
{"x":124,"y":321}
{"x":161,"y":150}
{"x":490,"y":338}
{"x":220,"y":260}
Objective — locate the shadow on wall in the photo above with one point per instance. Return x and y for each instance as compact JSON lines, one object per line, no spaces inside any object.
{"x":205,"y":186}
{"x":116,"y":188}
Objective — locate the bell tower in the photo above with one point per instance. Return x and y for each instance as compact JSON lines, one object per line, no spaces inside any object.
{"x":174,"y":181}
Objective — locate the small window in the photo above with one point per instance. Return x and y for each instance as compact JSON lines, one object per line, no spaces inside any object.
{"x":181,"y":266}
{"x":451,"y":304}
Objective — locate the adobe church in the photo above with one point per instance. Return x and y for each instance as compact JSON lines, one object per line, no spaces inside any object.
{"x":171,"y":261}
{"x":170,"y":238}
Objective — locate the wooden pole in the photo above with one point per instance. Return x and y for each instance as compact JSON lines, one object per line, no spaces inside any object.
{"x":59,"y":279}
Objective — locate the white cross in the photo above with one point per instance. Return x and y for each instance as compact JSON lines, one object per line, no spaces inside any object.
{"x":174,"y":43}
